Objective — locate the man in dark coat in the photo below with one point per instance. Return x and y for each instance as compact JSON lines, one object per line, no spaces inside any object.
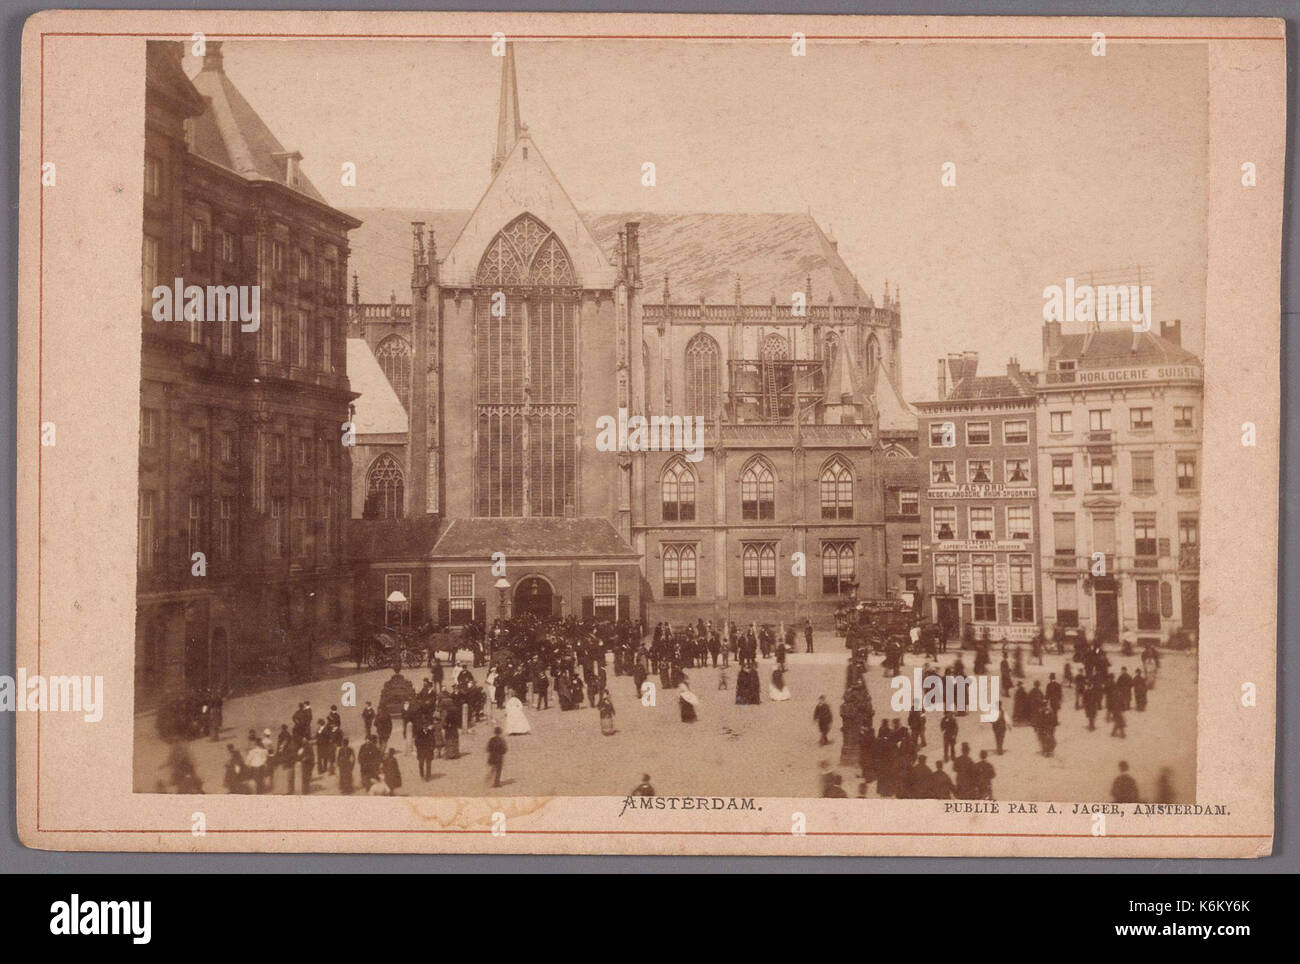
{"x":383,"y":729}
{"x":984,"y":774}
{"x":1124,"y":789}
{"x":964,"y":767}
{"x":369,"y":758}
{"x":824,"y":716}
{"x":496,"y":754}
{"x":392,"y":771}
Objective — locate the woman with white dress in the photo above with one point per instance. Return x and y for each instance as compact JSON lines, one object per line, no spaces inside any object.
{"x":516,"y":722}
{"x":778,"y":692}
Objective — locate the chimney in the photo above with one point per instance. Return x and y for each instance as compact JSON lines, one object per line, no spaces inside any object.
{"x":291,"y":160}
{"x":1051,"y":341}
{"x":1013,"y":368}
{"x":212,"y":59}
{"x":1172,"y":331}
{"x":943,"y":381}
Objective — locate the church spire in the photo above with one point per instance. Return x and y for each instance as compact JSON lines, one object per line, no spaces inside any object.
{"x":508,"y":124}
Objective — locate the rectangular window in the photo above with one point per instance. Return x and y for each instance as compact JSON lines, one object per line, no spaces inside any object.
{"x":979,"y":471}
{"x":1020,"y":522}
{"x":981,"y":522}
{"x":301,"y":452}
{"x":149,"y":421}
{"x":1144,"y":536}
{"x":301,"y":345}
{"x":397,"y":599}
{"x":279,"y":547}
{"x":1062,"y":474}
{"x":1061,"y":423}
{"x":299,"y":526}
{"x":1189,"y":539}
{"x":227,"y":247}
{"x":909,"y":502}
{"x":942,"y":435}
{"x":1017,"y":472}
{"x":277,"y":256}
{"x":460,"y":595}
{"x":152,"y":176}
{"x":1067,"y":603}
{"x":196,"y":444}
{"x":1103,"y":475}
{"x":944,"y":521}
{"x":986,"y":610}
{"x":1185,"y":466}
{"x":225,"y":531}
{"x":194,"y":528}
{"x":604,"y":593}
{"x":197,"y":232}
{"x":304,"y":265}
{"x":227,"y":447}
{"x":1144,"y":473}
{"x":1140,"y":418}
{"x":149,"y":271}
{"x":1148,"y":599}
{"x":1022,"y":588}
{"x":978,"y":433}
{"x":943,"y":472}
{"x":911,"y":550}
{"x":1099,"y":420}
{"x":275,"y":333}
{"x":1015,"y":431}
{"x":147,"y":547}
{"x":945,"y":572}
{"x":327,"y":346}
{"x":1182,"y":416}
{"x":1063,"y":537}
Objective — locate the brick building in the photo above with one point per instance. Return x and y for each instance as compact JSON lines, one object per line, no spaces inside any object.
{"x":981,"y":502}
{"x":240,"y":430}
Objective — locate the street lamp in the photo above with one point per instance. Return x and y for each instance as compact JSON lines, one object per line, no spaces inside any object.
{"x":502,"y":587}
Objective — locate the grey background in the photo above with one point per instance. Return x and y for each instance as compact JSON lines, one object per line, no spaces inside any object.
{"x":14,"y":857}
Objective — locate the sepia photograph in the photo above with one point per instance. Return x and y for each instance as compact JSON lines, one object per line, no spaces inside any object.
{"x":582,"y":489}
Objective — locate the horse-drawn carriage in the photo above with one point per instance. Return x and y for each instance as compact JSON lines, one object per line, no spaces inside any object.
{"x":874,"y":623}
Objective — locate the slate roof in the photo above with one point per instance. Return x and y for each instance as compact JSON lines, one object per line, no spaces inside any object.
{"x":774,"y":254}
{"x":991,"y":386}
{"x":1117,"y":348}
{"x":469,"y":538}
{"x":378,"y":409}
{"x":231,"y":133}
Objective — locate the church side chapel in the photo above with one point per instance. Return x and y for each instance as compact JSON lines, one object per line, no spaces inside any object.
{"x":524,"y":321}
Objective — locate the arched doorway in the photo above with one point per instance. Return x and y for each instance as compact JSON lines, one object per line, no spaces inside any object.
{"x":533,"y":595}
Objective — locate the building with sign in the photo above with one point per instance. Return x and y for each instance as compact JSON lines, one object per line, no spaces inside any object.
{"x":979,"y":504}
{"x":1119,"y":432}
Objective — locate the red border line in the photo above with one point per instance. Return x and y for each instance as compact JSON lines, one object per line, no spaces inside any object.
{"x":40,"y":376}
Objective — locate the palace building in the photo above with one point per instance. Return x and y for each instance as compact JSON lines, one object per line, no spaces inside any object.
{"x":1119,"y":433}
{"x":524,"y":322}
{"x":980,"y":503}
{"x":244,"y":493}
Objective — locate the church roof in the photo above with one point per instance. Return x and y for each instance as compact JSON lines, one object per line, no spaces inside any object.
{"x":378,"y":409}
{"x":533,"y":537}
{"x":774,"y":254}
{"x":231,"y":133}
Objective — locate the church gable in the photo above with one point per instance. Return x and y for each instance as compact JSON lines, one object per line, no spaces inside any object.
{"x":526,"y":185}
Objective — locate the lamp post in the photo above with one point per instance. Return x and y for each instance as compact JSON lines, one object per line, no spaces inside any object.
{"x":502,"y":587}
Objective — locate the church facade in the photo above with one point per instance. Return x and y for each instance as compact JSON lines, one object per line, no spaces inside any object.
{"x":530,"y":324}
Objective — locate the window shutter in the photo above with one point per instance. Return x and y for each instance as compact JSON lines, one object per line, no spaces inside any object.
{"x":588,"y":607}
{"x":444,"y":612}
{"x":480,"y":610}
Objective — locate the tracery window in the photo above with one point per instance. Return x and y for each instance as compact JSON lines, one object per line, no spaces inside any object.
{"x":526,"y":352}
{"x":757,"y":491}
{"x":678,"y":491}
{"x":394,"y":357}
{"x":385,"y":489}
{"x":702,"y":376}
{"x":837,"y":490}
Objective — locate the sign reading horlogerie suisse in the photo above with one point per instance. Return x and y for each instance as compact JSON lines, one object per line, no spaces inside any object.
{"x":1150,"y":373}
{"x":982,"y":490}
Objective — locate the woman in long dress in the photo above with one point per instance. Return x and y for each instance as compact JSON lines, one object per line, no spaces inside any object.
{"x":516,"y":722}
{"x":778,"y":692}
{"x":606,"y":714}
{"x":688,"y":701}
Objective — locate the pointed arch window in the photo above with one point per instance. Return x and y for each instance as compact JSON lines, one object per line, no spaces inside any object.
{"x":394,"y":357}
{"x":678,"y":492}
{"x":526,"y":351}
{"x":702,"y":376}
{"x":385,"y":489}
{"x":837,"y":490}
{"x":873,"y":354}
{"x":838,"y":568}
{"x":679,"y":571}
{"x":758,"y":491}
{"x":775,"y":348}
{"x":758,"y":568}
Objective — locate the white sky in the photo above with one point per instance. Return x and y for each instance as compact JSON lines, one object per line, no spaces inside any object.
{"x":1066,"y":162}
